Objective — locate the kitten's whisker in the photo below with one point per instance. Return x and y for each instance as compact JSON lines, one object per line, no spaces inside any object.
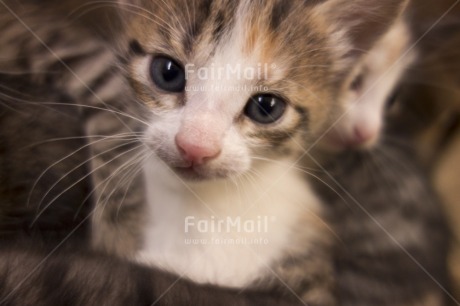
{"x":309,"y":51}
{"x":58,"y":162}
{"x":85,"y":176}
{"x":128,"y":185}
{"x":189,"y":17}
{"x":298,"y":167}
{"x":256,"y":173}
{"x":123,"y":136}
{"x":114,"y":111}
{"x":137,"y":169}
{"x":235,"y":181}
{"x":96,"y":187}
{"x":136,"y":162}
{"x":115,"y":187}
{"x":17,"y":99}
{"x":75,"y":183}
{"x":318,"y":217}
{"x":171,"y":11}
{"x":58,"y":58}
{"x":163,"y":25}
{"x":128,"y":7}
{"x":310,"y":174}
{"x":93,"y":7}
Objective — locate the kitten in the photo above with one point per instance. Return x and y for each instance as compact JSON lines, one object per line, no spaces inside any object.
{"x":209,"y":136}
{"x":47,"y":260}
{"x":201,"y":137}
{"x":390,"y":224}
{"x":366,"y":96}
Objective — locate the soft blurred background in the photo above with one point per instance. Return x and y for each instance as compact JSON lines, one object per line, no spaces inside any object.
{"x":432,"y":88}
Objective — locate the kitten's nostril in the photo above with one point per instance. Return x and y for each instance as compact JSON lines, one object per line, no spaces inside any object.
{"x":181,"y":151}
{"x":196,"y":153}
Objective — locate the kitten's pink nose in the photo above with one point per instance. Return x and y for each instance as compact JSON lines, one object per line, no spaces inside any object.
{"x":361,"y":136}
{"x":196,"y":153}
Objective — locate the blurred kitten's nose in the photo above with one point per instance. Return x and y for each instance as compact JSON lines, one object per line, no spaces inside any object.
{"x":196,"y":152}
{"x":361,"y":136}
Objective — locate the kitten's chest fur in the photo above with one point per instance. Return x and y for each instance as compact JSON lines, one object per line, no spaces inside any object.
{"x":192,"y":229}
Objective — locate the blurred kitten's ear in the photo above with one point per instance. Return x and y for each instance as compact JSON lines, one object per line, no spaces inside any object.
{"x":364,"y":21}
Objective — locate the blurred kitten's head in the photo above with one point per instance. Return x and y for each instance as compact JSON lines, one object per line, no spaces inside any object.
{"x":230,"y":81}
{"x":372,"y":92}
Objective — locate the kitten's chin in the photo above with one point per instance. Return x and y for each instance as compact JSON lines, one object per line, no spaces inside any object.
{"x":202,"y":173}
{"x":336,"y":143}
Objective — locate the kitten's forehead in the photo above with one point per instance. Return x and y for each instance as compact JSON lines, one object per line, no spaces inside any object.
{"x":247,"y":40}
{"x":198,"y":27}
{"x":281,"y":38}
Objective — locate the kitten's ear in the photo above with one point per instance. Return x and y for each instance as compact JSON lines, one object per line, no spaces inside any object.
{"x":363,"y":20}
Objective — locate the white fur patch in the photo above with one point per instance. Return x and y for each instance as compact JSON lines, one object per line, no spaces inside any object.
{"x":276,"y":199}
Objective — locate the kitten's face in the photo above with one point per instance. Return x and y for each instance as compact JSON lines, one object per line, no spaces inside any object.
{"x":228,"y":82}
{"x":371,"y":92}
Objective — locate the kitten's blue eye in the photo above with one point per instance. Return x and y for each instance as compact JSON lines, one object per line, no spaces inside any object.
{"x":167,"y":74}
{"x":265,"y":109}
